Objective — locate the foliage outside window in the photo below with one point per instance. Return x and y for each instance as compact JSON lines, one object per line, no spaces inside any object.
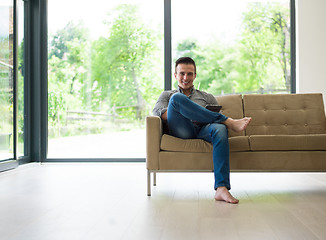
{"x":257,"y":60}
{"x":104,"y":84}
{"x":6,"y":80}
{"x":112,"y":74}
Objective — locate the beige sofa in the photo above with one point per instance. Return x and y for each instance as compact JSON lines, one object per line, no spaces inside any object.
{"x":287,"y":133}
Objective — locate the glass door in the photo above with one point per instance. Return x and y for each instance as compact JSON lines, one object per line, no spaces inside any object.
{"x":105,"y":73}
{"x":6,"y":80}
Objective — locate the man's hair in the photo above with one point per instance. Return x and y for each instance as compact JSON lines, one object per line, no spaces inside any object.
{"x":185,"y":60}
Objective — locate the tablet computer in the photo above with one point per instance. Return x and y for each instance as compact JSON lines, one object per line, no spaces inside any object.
{"x":214,"y":108}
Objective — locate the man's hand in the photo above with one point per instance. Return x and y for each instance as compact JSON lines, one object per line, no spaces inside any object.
{"x":165,"y":116}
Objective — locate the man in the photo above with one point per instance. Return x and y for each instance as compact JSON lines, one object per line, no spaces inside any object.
{"x":187,"y":118}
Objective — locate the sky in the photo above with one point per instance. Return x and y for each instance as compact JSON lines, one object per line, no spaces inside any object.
{"x":60,"y":12}
{"x":4,"y":21}
{"x":195,"y":18}
{"x":203,"y":20}
{"x":93,"y":13}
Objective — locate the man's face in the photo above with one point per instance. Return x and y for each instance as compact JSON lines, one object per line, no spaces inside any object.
{"x":185,"y":74}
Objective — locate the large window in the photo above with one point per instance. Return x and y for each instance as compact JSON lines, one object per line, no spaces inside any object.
{"x":6,"y":79}
{"x":108,"y":61}
{"x":106,"y":64}
{"x":105,"y":72}
{"x":240,"y":46}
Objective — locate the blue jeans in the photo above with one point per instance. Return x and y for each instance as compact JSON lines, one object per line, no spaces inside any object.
{"x":181,"y":115}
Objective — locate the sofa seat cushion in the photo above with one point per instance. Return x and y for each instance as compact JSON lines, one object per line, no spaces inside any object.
{"x":170,"y":143}
{"x":309,"y":142}
{"x":239,"y":144}
{"x":174,"y":144}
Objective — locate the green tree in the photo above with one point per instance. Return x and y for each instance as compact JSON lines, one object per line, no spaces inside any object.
{"x":264,"y":48}
{"x":68,"y":63}
{"x":60,"y":40}
{"x":214,"y":63}
{"x":120,"y":62}
{"x":216,"y":67}
{"x":258,"y":61}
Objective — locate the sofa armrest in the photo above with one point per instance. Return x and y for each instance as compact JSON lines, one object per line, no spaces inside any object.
{"x":154,"y":131}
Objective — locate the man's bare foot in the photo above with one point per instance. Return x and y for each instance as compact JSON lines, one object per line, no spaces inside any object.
{"x":237,"y":125}
{"x":223,"y":194}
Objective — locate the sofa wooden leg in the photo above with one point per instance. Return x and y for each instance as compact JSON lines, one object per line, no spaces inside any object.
{"x":154,"y":176}
{"x":148,"y":183}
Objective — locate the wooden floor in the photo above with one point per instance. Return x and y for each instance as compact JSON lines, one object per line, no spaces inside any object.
{"x":108,"y":201}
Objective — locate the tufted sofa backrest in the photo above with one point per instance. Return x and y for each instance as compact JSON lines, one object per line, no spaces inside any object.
{"x":232,"y":107}
{"x":280,"y":114}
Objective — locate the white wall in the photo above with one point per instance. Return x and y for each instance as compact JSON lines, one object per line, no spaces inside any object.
{"x":311,"y":46}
